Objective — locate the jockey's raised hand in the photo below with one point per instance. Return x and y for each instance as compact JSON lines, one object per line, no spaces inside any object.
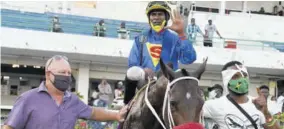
{"x":178,"y":23}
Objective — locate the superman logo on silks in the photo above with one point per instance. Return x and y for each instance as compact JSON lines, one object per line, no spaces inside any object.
{"x":155,"y":52}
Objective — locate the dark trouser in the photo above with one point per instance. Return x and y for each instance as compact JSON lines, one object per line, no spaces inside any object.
{"x":130,"y":88}
{"x":207,"y":43}
{"x":100,"y":34}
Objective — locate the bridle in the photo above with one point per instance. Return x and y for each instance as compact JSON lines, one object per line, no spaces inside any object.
{"x":166,"y":102}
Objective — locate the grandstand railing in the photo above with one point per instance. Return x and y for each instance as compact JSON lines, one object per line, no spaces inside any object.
{"x":85,"y":26}
{"x":243,"y":44}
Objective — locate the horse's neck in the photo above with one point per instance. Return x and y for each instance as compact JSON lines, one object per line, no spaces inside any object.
{"x":156,"y":98}
{"x":157,"y":92}
{"x":140,"y":116}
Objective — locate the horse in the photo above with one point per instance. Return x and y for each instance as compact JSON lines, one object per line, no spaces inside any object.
{"x":175,"y":97}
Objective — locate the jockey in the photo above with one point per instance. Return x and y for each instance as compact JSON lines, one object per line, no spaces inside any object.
{"x":157,"y":43}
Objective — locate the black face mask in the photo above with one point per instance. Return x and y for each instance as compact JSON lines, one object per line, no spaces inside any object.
{"x":61,"y":82}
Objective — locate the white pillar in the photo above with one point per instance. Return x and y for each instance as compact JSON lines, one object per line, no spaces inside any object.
{"x":272,"y":86}
{"x":222,"y":9}
{"x":83,"y":81}
{"x":245,"y":6}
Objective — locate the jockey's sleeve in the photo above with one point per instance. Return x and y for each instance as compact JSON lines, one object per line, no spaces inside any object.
{"x":186,"y":52}
{"x":134,"y":57}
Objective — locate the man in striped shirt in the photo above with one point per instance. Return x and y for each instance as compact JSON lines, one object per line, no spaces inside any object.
{"x":193,"y":29}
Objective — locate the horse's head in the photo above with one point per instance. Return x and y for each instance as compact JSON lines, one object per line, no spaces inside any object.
{"x":185,"y":95}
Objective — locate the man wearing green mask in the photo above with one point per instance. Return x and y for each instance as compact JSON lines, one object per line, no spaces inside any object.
{"x":237,"y":110}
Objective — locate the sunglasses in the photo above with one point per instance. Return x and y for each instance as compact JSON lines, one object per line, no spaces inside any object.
{"x":57,"y":57}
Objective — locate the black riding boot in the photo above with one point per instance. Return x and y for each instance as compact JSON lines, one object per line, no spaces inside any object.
{"x":130,"y":87}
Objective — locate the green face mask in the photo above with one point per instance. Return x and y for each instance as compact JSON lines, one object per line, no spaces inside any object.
{"x":239,"y":86}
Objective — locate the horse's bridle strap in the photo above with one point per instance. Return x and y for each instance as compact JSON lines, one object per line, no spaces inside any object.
{"x":166,"y":101}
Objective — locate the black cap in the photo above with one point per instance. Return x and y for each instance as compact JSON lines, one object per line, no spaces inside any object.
{"x":216,"y":86}
{"x":264,"y":87}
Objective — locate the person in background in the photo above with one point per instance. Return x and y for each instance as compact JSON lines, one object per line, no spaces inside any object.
{"x":55,"y":20}
{"x":118,"y":92}
{"x":46,"y":9}
{"x":100,"y":29}
{"x":215,"y":91}
{"x":264,"y":89}
{"x":271,"y":100}
{"x":262,"y":11}
{"x":280,"y":101}
{"x":280,"y":104}
{"x":122,"y":31}
{"x":95,"y":96}
{"x":52,"y":105}
{"x":224,"y":111}
{"x":119,"y":95}
{"x":210,"y":29}
{"x":97,"y":101}
{"x":56,"y":25}
{"x":275,"y":10}
{"x":105,"y":92}
{"x":280,"y":9}
{"x":193,"y":29}
{"x":96,"y":93}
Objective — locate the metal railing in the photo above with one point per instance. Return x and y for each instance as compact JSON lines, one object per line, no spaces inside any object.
{"x":244,"y":44}
{"x":26,"y":21}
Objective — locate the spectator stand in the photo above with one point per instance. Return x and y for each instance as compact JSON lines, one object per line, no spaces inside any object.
{"x":84,"y":25}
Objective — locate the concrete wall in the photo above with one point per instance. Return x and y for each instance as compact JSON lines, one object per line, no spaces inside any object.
{"x":117,"y":49}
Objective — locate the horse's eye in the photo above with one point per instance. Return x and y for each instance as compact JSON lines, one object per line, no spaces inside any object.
{"x":173,"y":103}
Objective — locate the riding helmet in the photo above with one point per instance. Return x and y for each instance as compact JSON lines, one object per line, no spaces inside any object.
{"x":158,"y":5}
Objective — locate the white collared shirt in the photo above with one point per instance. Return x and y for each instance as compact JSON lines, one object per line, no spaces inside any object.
{"x":280,"y":101}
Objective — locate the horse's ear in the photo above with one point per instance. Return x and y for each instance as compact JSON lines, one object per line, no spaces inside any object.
{"x":201,"y":69}
{"x":167,"y":71}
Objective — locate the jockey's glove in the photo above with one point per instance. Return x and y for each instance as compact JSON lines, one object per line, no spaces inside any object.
{"x":135,"y":73}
